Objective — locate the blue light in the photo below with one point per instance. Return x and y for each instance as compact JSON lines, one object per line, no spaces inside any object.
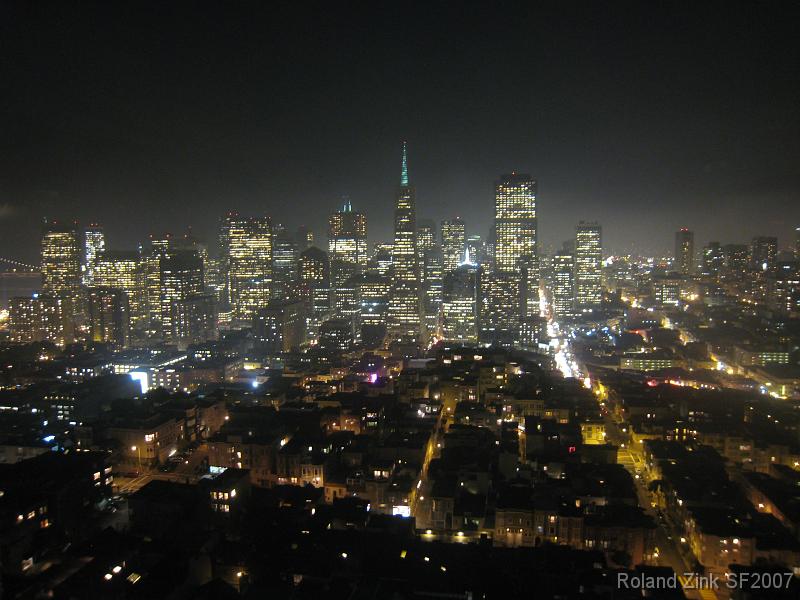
{"x":48,"y":438}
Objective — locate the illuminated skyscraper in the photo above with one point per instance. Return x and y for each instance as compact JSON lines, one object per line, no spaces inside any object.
{"x":797,"y":243}
{"x":404,"y":302}
{"x":476,"y":246}
{"x":588,"y":259}
{"x":684,"y":251}
{"x":453,"y":239}
{"x":763,"y":253}
{"x":109,"y":317}
{"x":737,"y":261}
{"x":151,"y":264}
{"x":373,"y":295}
{"x":430,"y":269}
{"x":500,"y":310}
{"x":247,"y":253}
{"x":347,"y":244}
{"x":315,"y":286}
{"x":461,"y":303}
{"x":284,"y":262}
{"x":381,"y":261}
{"x":515,"y":224}
{"x":181,"y":278}
{"x":93,"y":245}
{"x":563,"y":284}
{"x":124,"y":271}
{"x":61,"y":261}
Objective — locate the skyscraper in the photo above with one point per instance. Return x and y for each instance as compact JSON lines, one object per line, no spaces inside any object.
{"x":93,"y":245}
{"x":109,"y":317}
{"x":347,"y":244}
{"x":41,"y":317}
{"x":713,"y":260}
{"x":453,"y":239}
{"x":461,"y":303}
{"x":563,"y":284}
{"x":500,"y":312}
{"x":61,"y":260}
{"x":123,"y":270}
{"x":247,"y":256}
{"x":588,"y":259}
{"x":194,"y":319}
{"x":404,"y":302}
{"x":515,"y":223}
{"x":430,"y":270}
{"x":763,"y":253}
{"x":315,"y":284}
{"x":684,"y":251}
{"x":284,"y":262}
{"x":181,"y":278}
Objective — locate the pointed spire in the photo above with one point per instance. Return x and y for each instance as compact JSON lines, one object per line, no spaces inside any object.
{"x":346,"y":205}
{"x":404,"y":168}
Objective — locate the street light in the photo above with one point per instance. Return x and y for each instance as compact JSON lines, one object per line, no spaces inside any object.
{"x":139,"y":453}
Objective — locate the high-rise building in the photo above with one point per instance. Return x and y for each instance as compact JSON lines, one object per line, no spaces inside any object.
{"x":563,"y":284}
{"x":713,"y":260}
{"x":453,"y":239}
{"x":404,"y":301}
{"x":588,"y":265}
{"x":94,"y":243}
{"x":246,"y":244}
{"x":61,"y":261}
{"x":737,"y":260}
{"x":461,"y":303}
{"x":109,"y":316}
{"x":515,"y":223}
{"x":500,"y":311}
{"x":41,"y":318}
{"x":281,"y":326}
{"x":373,"y":294}
{"x":124,"y":271}
{"x":763,"y":253}
{"x":684,"y":251}
{"x":194,"y":319}
{"x":181,"y":278}
{"x":347,"y":244}
{"x":797,"y":243}
{"x":381,"y":261}
{"x":151,"y":264}
{"x":476,"y":246}
{"x":430,"y":270}
{"x":284,"y":262}
{"x":315,"y":284}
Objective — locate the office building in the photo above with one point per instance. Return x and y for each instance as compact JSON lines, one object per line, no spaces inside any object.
{"x":347,"y":244}
{"x":684,"y":251}
{"x":515,"y":225}
{"x":124,"y":270}
{"x":588,"y":263}
{"x":453,"y":240}
{"x":281,"y":326}
{"x":404,"y":302}
{"x":563,"y":285}
{"x":284,"y":262}
{"x":500,"y":311}
{"x":763,"y":253}
{"x":93,"y":245}
{"x":314,"y":276}
{"x":713,"y":260}
{"x":109,"y":316}
{"x":61,"y":261}
{"x":374,"y":308}
{"x":181,"y":278}
{"x":246,"y":244}
{"x":194,"y":319}
{"x":461,"y":303}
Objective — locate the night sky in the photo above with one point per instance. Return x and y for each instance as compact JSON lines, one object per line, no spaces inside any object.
{"x":646,"y":116}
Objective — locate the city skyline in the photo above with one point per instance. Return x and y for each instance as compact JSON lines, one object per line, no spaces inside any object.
{"x":610,"y":142}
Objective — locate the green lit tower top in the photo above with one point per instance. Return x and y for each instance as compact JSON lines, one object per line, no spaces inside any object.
{"x":404,"y":168}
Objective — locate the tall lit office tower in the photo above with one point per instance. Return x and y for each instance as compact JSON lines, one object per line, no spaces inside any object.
{"x":181,"y":278}
{"x":588,"y":274}
{"x":109,"y":316}
{"x":476,"y":246}
{"x":500,"y":314}
{"x":373,"y":295}
{"x":151,"y":257}
{"x":315,"y":286}
{"x":247,"y":262}
{"x":563,"y":284}
{"x":347,"y":243}
{"x":381,"y":261}
{"x":61,"y":261}
{"x":461,"y":303}
{"x":404,"y":301}
{"x":430,"y":269}
{"x":94,"y":242}
{"x":797,"y":243}
{"x":763,"y":253}
{"x":713,"y":260}
{"x":284,"y":262}
{"x":123,"y":271}
{"x":684,"y":251}
{"x":453,"y":239}
{"x":515,"y":222}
